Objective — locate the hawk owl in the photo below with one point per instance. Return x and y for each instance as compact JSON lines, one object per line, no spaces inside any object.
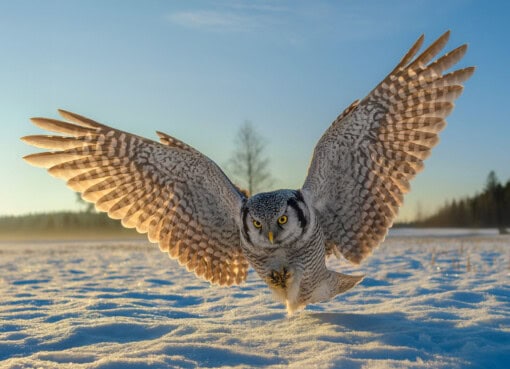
{"x":359,"y":173}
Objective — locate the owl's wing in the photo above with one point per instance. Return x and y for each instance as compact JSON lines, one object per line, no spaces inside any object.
{"x":169,"y":190}
{"x":362,"y":165}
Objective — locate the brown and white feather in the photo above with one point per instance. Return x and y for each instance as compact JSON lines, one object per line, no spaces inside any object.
{"x":362,"y":165}
{"x":170,"y":191}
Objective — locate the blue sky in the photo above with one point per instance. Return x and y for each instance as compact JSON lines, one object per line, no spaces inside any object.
{"x":198,"y":69}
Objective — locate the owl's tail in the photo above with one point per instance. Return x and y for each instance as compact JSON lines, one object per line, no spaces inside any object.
{"x":333,"y":284}
{"x":343,"y":282}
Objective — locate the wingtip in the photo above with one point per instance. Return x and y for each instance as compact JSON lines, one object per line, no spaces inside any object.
{"x":36,"y":120}
{"x":79,"y":119}
{"x":34,"y":159}
{"x":469,"y":72}
{"x":65,"y":113}
{"x":445,"y":36}
{"x":29,"y":140}
{"x":443,"y":39}
{"x":418,"y":43}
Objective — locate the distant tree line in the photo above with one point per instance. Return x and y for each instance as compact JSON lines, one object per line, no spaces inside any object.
{"x":83,"y":224}
{"x":490,"y":208}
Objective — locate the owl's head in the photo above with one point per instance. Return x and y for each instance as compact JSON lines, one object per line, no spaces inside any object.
{"x":273,"y":218}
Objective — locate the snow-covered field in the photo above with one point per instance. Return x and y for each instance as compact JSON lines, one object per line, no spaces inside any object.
{"x":433,"y":300}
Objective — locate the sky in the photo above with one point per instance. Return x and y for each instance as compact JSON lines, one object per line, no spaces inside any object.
{"x":198,"y":69}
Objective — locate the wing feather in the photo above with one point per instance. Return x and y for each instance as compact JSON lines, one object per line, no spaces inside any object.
{"x":158,"y":188}
{"x":363,"y":164}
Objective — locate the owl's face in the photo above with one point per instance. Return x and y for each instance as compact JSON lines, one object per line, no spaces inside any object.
{"x":273,"y":219}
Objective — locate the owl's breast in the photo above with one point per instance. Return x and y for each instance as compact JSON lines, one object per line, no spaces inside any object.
{"x":291,"y":271}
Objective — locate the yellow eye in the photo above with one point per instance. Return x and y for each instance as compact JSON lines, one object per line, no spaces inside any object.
{"x":283,"y":219}
{"x":257,"y":224}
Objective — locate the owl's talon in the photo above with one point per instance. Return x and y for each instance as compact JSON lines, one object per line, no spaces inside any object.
{"x":280,"y":278}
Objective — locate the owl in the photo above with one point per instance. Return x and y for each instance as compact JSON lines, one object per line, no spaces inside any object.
{"x":360,"y":170}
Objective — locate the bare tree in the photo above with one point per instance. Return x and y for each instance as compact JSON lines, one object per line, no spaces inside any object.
{"x":89,"y":207}
{"x":248,"y":163}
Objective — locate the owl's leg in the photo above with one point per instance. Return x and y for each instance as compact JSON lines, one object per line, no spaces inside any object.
{"x":294,"y":306}
{"x":284,"y":281}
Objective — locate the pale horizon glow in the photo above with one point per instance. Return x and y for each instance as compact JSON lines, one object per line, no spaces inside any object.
{"x":198,"y":69}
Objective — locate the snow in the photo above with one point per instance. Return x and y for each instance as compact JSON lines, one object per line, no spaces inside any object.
{"x":429,"y":300}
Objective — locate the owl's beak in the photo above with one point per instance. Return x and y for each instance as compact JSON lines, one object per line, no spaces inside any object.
{"x":270,"y":236}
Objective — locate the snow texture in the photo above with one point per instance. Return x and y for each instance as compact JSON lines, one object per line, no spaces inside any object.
{"x":433,"y":300}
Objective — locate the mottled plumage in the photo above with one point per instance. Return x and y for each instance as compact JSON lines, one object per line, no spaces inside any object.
{"x":360,"y":171}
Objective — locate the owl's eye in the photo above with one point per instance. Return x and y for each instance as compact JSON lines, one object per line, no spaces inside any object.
{"x":257,"y":224}
{"x":283,"y":219}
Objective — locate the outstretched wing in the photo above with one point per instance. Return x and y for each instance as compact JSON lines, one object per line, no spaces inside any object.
{"x":169,"y":190}
{"x":363,"y":163}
